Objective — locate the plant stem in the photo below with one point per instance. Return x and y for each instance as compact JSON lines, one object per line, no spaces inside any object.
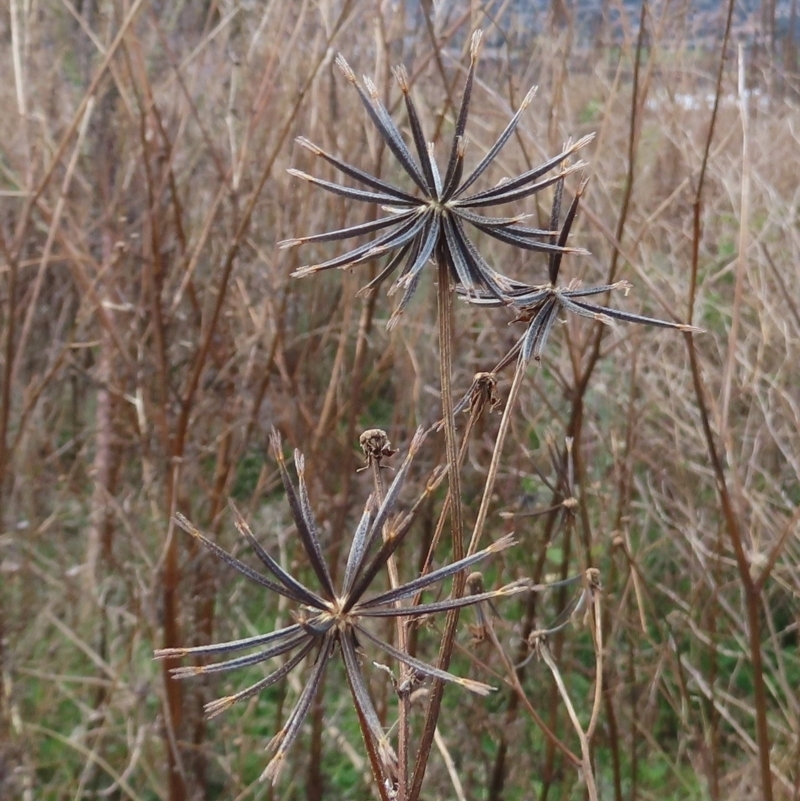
{"x":488,"y":487}
{"x":588,"y":774}
{"x":751,"y":589}
{"x":403,"y":695}
{"x":445,"y":314}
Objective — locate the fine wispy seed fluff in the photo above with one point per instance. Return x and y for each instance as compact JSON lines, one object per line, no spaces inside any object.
{"x":429,"y":221}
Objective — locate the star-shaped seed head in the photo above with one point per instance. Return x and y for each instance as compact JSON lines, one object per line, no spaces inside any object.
{"x":328,"y":619}
{"x":429,"y":221}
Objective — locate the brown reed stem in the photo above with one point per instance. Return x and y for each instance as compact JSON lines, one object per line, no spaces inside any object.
{"x":445,"y":315}
{"x":750,"y":587}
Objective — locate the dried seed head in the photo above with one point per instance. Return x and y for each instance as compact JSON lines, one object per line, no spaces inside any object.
{"x":329,"y":619}
{"x":475,"y":583}
{"x":593,"y":578}
{"x":376,"y":446}
{"x":482,"y":392}
{"x":433,"y":218}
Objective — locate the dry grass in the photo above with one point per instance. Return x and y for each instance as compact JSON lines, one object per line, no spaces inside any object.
{"x":151,"y":336}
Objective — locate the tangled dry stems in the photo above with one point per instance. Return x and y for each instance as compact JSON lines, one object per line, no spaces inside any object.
{"x":153,"y":337}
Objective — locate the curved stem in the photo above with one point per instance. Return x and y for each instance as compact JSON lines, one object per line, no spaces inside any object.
{"x":488,"y":487}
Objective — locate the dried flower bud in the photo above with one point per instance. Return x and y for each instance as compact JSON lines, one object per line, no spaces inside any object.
{"x":376,"y":446}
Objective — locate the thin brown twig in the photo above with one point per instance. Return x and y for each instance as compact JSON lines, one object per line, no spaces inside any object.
{"x":750,"y":588}
{"x":586,"y":758}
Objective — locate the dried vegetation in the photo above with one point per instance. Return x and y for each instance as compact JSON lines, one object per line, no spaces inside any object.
{"x":152,"y":336}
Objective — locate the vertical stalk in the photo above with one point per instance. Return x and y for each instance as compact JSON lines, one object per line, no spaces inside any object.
{"x":5,"y":413}
{"x":5,"y":392}
{"x":751,"y":589}
{"x":374,"y":455}
{"x":445,"y":314}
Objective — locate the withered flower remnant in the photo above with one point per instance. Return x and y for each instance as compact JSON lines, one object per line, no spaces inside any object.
{"x":429,"y":222}
{"x":539,"y":306}
{"x":328,"y":619}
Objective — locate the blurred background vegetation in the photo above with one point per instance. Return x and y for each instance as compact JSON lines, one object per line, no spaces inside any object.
{"x":151,"y":336}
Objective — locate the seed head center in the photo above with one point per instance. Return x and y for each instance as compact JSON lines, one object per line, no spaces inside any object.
{"x":340,"y":617}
